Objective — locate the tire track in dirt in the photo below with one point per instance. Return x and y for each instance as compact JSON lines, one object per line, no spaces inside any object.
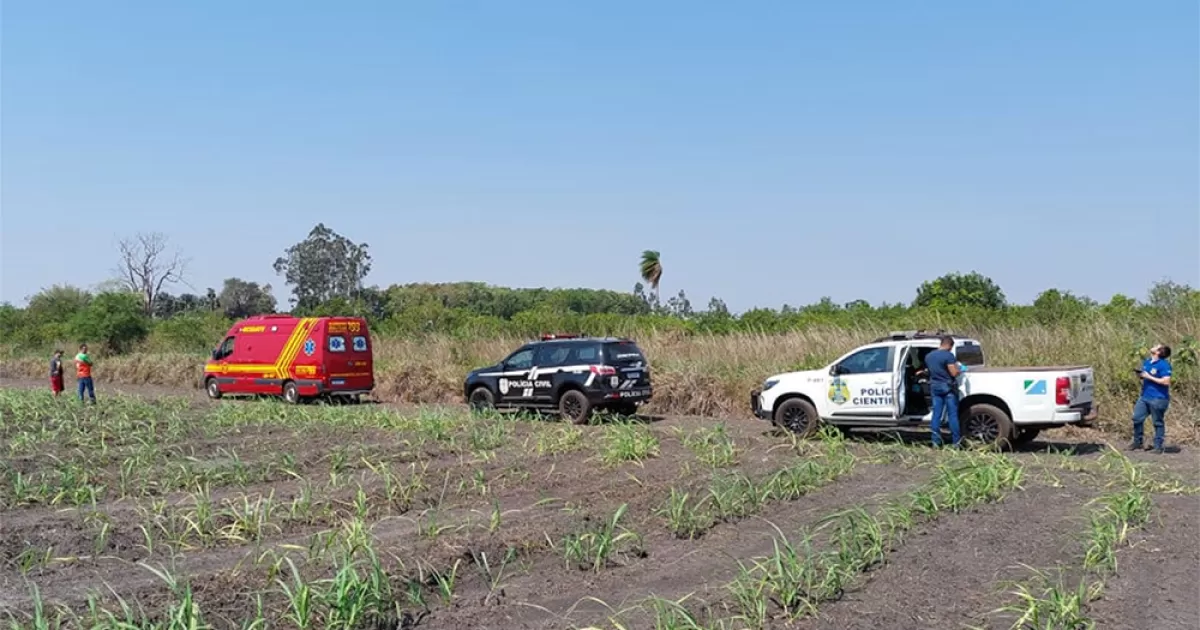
{"x":944,"y":573}
{"x":550,"y":595}
{"x":1158,"y":575}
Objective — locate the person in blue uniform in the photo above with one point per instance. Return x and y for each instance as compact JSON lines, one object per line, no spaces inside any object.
{"x":943,"y":370}
{"x":1156,"y":397}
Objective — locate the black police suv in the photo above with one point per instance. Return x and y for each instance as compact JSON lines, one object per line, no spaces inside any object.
{"x":571,"y":374}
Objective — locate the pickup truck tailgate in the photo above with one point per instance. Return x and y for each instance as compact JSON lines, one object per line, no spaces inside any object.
{"x":1082,"y":387}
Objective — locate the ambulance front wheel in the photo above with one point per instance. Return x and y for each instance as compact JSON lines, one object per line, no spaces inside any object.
{"x":290,"y":393}
{"x":213,"y":388}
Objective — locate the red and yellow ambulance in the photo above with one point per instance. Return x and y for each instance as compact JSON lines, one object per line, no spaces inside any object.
{"x":295,"y":357}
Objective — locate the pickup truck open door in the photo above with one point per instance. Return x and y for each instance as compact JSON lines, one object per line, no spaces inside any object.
{"x":899,"y":387}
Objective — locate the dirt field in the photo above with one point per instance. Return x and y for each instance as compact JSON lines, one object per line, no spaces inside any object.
{"x":160,"y":507}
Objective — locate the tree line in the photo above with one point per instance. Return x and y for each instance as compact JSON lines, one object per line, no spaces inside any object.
{"x":326,"y":275}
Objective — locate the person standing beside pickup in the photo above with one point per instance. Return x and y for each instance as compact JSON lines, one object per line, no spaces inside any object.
{"x":1156,"y":397}
{"x":943,"y":385}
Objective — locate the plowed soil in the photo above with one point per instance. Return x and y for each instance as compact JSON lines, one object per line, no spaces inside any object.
{"x":226,"y":497}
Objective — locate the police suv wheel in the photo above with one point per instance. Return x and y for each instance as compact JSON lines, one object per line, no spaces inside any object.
{"x":290,"y":393}
{"x":213,"y":388}
{"x":798,"y":416}
{"x":574,"y":406}
{"x":481,"y":399}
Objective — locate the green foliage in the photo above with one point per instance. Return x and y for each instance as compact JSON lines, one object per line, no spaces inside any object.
{"x":57,"y":304}
{"x":651,"y":268}
{"x":1053,"y":306}
{"x":477,"y":310}
{"x":324,"y":266}
{"x":48,"y":316}
{"x":1186,"y":352}
{"x":470,"y":310}
{"x":1172,"y":296}
{"x":1119,"y":306}
{"x":955,"y":290}
{"x":12,"y":321}
{"x":167,"y":305}
{"x":197,"y":331}
{"x":477,"y":298}
{"x":239,"y":298}
{"x":115,"y":320}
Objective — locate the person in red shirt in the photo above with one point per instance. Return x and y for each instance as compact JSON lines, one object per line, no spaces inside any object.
{"x":56,"y":373}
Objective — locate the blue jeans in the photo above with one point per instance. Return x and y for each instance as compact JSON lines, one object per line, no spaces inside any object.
{"x":945,"y":401}
{"x":86,"y":384}
{"x":1156,"y":408}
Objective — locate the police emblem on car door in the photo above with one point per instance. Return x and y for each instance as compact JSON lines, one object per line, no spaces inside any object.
{"x":514,"y":385}
{"x":862,"y":385}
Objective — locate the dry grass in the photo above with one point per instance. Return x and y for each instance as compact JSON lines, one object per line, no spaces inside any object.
{"x":712,"y":375}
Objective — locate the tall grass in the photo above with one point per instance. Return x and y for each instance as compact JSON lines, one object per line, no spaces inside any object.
{"x":712,"y":374}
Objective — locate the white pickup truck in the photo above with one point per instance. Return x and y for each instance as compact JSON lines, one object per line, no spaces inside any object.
{"x":877,"y":385}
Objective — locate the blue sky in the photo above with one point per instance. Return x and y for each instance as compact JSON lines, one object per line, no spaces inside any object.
{"x":774,"y":152}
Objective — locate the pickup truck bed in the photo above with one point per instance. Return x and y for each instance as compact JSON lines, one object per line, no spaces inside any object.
{"x":983,"y":369}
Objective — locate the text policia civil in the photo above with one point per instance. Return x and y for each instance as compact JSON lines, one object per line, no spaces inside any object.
{"x":527,"y":387}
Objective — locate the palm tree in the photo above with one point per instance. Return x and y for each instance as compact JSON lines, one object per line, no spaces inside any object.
{"x":651,"y":269}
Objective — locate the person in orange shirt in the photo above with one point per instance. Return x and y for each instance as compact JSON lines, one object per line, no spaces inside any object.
{"x":83,"y":371}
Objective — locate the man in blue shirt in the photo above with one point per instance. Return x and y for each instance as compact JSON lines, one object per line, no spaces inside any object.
{"x":1155,"y":398}
{"x":943,"y":372}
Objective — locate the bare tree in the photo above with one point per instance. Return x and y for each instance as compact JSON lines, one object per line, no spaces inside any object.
{"x":147,"y":266}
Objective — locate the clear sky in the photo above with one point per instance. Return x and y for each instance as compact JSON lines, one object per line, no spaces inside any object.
{"x":774,"y":152}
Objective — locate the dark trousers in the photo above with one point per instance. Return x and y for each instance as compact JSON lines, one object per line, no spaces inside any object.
{"x":945,"y":401}
{"x":85,"y":383}
{"x":1156,"y":408}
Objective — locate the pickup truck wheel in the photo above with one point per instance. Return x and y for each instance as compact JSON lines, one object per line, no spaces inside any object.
{"x":798,"y":416}
{"x":988,"y":424}
{"x":481,"y":399}
{"x":1025,"y":436}
{"x":574,"y":406}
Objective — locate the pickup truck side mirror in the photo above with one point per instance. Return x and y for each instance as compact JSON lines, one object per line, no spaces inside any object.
{"x":835,"y":370}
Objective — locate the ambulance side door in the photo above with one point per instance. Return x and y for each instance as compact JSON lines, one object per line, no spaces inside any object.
{"x":221,"y":355}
